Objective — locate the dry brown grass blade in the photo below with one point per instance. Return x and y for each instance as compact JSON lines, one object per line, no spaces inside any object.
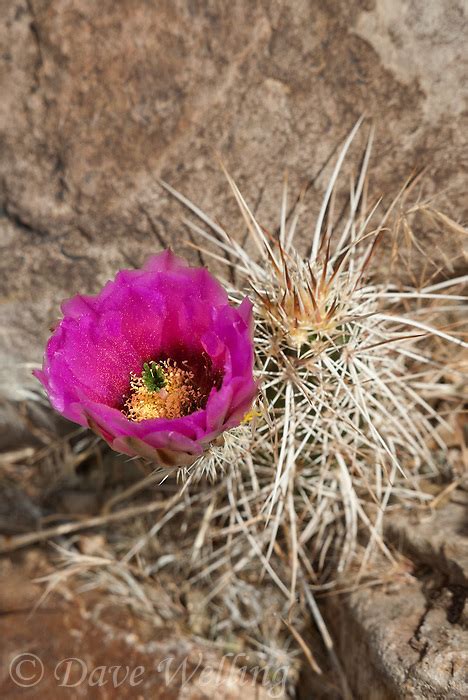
{"x":305,"y":648}
{"x":10,"y":544}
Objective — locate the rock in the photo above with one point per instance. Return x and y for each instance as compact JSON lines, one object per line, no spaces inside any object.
{"x":398,"y":643}
{"x":415,"y":41}
{"x":101,"y":98}
{"x":408,"y":636}
{"x":69,"y":648}
{"x":17,"y":593}
{"x":437,"y":538}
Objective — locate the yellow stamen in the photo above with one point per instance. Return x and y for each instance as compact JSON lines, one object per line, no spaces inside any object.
{"x":177,"y":398}
{"x":250,"y":415}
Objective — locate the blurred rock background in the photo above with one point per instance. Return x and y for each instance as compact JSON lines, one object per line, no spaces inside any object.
{"x":99,"y":98}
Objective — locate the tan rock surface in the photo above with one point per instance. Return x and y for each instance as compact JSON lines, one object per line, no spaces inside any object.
{"x":99,"y":98}
{"x":78,"y":647}
{"x":438,"y":539}
{"x":398,"y":642}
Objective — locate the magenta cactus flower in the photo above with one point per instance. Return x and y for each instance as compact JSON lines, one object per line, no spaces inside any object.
{"x":158,"y":363}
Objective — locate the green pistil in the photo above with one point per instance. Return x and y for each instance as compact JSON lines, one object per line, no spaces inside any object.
{"x":153,"y":376}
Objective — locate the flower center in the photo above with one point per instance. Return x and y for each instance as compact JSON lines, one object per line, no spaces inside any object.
{"x":163,"y":390}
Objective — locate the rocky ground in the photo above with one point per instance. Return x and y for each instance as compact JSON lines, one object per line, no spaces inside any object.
{"x":80,"y":647}
{"x":403,"y":638}
{"x":100,"y":99}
